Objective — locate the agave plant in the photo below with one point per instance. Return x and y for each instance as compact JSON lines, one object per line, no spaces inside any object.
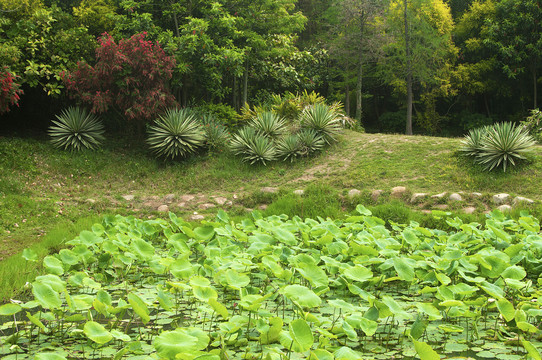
{"x":216,"y":134}
{"x":472,"y":143}
{"x":76,"y":129}
{"x":504,"y":144}
{"x":323,"y":119}
{"x":289,"y":147}
{"x":310,"y":141}
{"x":269,"y":124}
{"x":177,"y":133}
{"x":252,"y":146}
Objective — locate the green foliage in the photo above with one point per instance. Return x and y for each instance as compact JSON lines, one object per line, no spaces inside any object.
{"x":177,"y":133}
{"x":252,"y":146}
{"x":470,"y":120}
{"x":289,"y":148}
{"x":533,"y":125}
{"x":269,"y":124}
{"x":76,"y":129}
{"x":392,"y":121}
{"x":472,"y":143}
{"x":225,"y":114}
{"x":310,"y":141}
{"x":216,"y":134}
{"x":323,"y":119}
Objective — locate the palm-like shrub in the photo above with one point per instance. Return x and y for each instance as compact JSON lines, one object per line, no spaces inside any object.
{"x":323,"y":119}
{"x":216,"y":134}
{"x":289,"y":147}
{"x":471,"y":145}
{"x":504,"y":144}
{"x":76,"y":129}
{"x":310,"y":141}
{"x":269,"y":124}
{"x":177,"y":133}
{"x":252,"y":146}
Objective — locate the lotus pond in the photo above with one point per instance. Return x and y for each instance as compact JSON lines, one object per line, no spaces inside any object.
{"x":277,"y":288}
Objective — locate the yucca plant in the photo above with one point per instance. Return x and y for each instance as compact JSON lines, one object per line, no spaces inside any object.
{"x":504,"y":144}
{"x":310,"y":141}
{"x":76,"y":129}
{"x":269,"y":124}
{"x":177,"y":133}
{"x":252,"y":146}
{"x":471,"y":145}
{"x":323,"y":119}
{"x":216,"y":134}
{"x":289,"y":147}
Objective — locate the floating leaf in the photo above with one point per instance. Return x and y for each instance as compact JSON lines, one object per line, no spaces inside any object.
{"x":53,"y":265}
{"x":9,"y":309}
{"x":346,"y":353}
{"x":97,"y":332}
{"x":301,"y":333}
{"x":49,"y":356}
{"x":46,"y":296}
{"x":139,"y":307}
{"x":170,"y":343}
{"x":358,"y":273}
{"x":506,"y":309}
{"x":404,"y":269}
{"x":424,"y":351}
{"x":301,"y":295}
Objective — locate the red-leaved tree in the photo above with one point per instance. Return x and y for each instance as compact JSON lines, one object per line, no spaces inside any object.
{"x":132,"y":76}
{"x":9,"y":90}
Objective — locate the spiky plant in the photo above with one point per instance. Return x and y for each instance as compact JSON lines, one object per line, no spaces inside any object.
{"x":289,"y":147}
{"x":471,"y":145}
{"x":310,"y":142}
{"x":177,"y":133}
{"x":269,"y":124}
{"x":323,"y":119}
{"x":252,"y":146}
{"x":504,"y":144}
{"x":76,"y":129}
{"x":216,"y":134}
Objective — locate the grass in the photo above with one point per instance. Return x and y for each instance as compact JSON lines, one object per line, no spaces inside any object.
{"x":43,"y":189}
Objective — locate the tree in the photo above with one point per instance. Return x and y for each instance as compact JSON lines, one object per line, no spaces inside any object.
{"x":421,"y":52}
{"x":9,"y":90}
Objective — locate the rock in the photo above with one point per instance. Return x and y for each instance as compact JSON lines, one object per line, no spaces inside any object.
{"x":249,"y":210}
{"x":353,"y":193}
{"x":375,"y":194}
{"x":262,"y":207}
{"x":416,"y":197}
{"x":500,"y":198}
{"x":441,"y":206}
{"x":90,"y":201}
{"x":169,"y":198}
{"x":299,"y":192}
{"x":469,"y":209}
{"x":439,"y":196}
{"x":505,"y":208}
{"x":181,"y":204}
{"x":475,"y":194}
{"x":197,"y":217}
{"x":187,"y":198}
{"x":220,"y":200}
{"x":455,"y":197}
{"x":426,"y":212}
{"x":206,"y":206}
{"x":521,"y":200}
{"x":154,"y":198}
{"x":228,"y":203}
{"x":269,"y":189}
{"x":163,"y":208}
{"x":128,"y":197}
{"x":235,"y":196}
{"x":398,"y":191}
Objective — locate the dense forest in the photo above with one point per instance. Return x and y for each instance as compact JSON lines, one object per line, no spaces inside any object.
{"x":414,"y":66}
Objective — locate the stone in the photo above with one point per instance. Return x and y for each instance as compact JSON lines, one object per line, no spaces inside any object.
{"x":235,"y":196}
{"x":299,"y":192}
{"x":249,"y":210}
{"x":353,"y":193}
{"x":505,"y":208}
{"x":187,"y":198}
{"x":154,"y":198}
{"x":181,"y":204}
{"x":499,"y":199}
{"x":262,"y":207}
{"x":455,"y":197}
{"x":197,"y":217}
{"x":206,"y":206}
{"x":163,"y":208}
{"x":469,"y":209}
{"x":416,"y":197}
{"x":169,"y":198}
{"x":398,"y":191}
{"x":441,"y":206}
{"x":228,"y":203}
{"x":269,"y":189}
{"x":521,"y":200}
{"x":375,"y":194}
{"x":90,"y":201}
{"x":475,"y":194}
{"x":427,"y":212}
{"x":439,"y":196}
{"x":220,"y":200}
{"x":128,"y":197}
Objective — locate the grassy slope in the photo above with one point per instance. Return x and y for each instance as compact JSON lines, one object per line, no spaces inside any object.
{"x":43,"y":190}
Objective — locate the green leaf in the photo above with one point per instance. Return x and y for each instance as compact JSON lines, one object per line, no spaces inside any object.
{"x":46,"y":296}
{"x":181,"y":268}
{"x":170,"y":343}
{"x":346,"y":353}
{"x":222,"y":216}
{"x":49,"y":356}
{"x":313,"y":274}
{"x":514,"y":272}
{"x":424,"y":351}
{"x":418,"y":327}
{"x":531,"y":350}
{"x":29,"y":255}
{"x":430,"y":310}
{"x":143,"y":249}
{"x":97,"y":332}
{"x":285,"y":236}
{"x":358,"y":273}
{"x":404,"y":269}
{"x":363,"y":210}
{"x":204,"y":233}
{"x":219,"y":308}
{"x":139,"y":307}
{"x":321,"y":354}
{"x":394,"y":307}
{"x":9,"y":309}
{"x":301,"y":295}
{"x":301,"y":333}
{"x":236,"y":280}
{"x":369,"y":327}
{"x":506,"y":309}
{"x":410,"y":237}
{"x":34,"y":320}
{"x":53,"y":265}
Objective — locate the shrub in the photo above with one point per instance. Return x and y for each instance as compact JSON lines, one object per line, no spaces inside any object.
{"x":177,"y":133}
{"x":9,"y":90}
{"x":253,"y":147}
{"x":76,"y":129}
{"x":533,"y":125}
{"x":504,"y":144}
{"x":310,"y":141}
{"x":132,"y":75}
{"x":289,"y":147}
{"x":269,"y":124}
{"x":472,"y":143}
{"x":223,"y":113}
{"x":216,"y":134}
{"x":323,"y":119}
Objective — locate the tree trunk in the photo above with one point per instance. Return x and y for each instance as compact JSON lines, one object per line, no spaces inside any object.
{"x":535,"y":88}
{"x":347,"y":90}
{"x":408,"y":73}
{"x":235,"y":99}
{"x":245,"y":84}
{"x":358,"y":90}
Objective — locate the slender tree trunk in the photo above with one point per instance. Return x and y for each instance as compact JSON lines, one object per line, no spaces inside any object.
{"x":235,"y":99}
{"x":535,"y":88}
{"x":486,"y":104}
{"x":359,"y":97}
{"x":245,"y":84}
{"x":347,"y":90}
{"x":409,"y":73}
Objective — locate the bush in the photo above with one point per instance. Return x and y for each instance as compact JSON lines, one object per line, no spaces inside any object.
{"x":393,"y":122}
{"x":216,"y":134}
{"x":469,"y":120}
{"x":252,"y":146}
{"x":269,"y":124}
{"x":289,"y":147}
{"x":310,"y":141}
{"x":76,"y":129}
{"x":9,"y":90}
{"x":533,"y":125}
{"x":223,"y":113}
{"x":323,"y":119}
{"x":176,"y":134}
{"x":472,"y":143}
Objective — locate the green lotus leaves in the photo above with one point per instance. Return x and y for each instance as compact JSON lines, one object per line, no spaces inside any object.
{"x":49,"y":356}
{"x":29,"y":255}
{"x":53,"y":265}
{"x":404,"y":268}
{"x":139,"y":307}
{"x":169,"y":344}
{"x":424,"y":351}
{"x":204,"y":233}
{"x":97,"y":333}
{"x":313,"y":274}
{"x":45,"y":295}
{"x":302,"y":296}
{"x":236,"y":280}
{"x":506,"y":309}
{"x":346,"y":353}
{"x":181,"y":268}
{"x":301,"y":333}
{"x":143,"y":249}
{"x":358,"y":273}
{"x":9,"y":309}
